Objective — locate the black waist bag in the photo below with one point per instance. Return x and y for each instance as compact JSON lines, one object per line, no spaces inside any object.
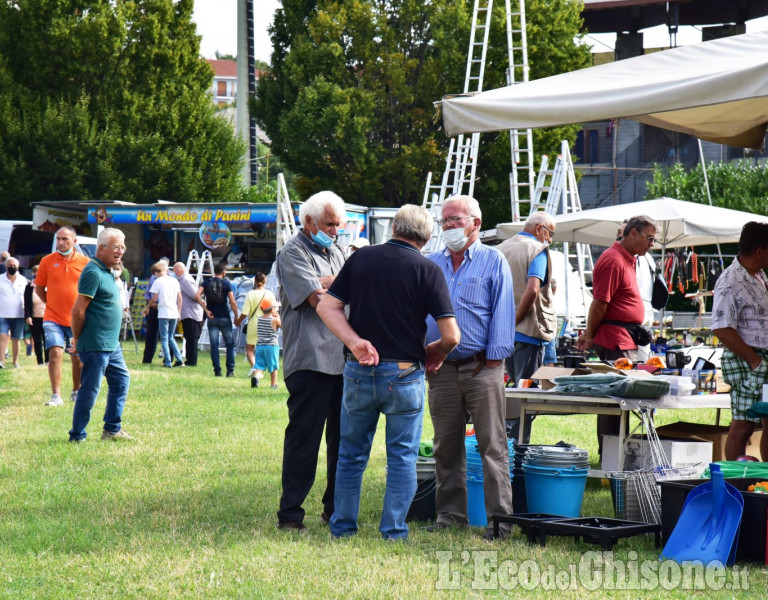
{"x":642,"y":336}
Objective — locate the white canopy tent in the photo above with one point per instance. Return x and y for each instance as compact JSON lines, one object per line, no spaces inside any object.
{"x":716,"y":91}
{"x":680,"y":223}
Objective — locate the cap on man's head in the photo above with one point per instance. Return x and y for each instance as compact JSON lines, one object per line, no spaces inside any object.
{"x":266,"y":304}
{"x":359,"y":243}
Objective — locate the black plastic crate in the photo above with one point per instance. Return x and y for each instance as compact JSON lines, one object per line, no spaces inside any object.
{"x":423,"y":504}
{"x":754,"y":521}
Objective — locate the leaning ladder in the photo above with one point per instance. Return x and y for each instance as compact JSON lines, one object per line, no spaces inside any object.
{"x":521,"y":142}
{"x":557,"y":192}
{"x":461,"y":161}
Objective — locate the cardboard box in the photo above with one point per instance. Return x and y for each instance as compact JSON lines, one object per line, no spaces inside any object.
{"x":721,"y":387}
{"x":713,"y":433}
{"x":545,"y":375}
{"x":637,"y":455}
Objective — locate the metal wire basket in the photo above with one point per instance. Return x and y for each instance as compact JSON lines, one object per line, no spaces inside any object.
{"x":635,"y":494}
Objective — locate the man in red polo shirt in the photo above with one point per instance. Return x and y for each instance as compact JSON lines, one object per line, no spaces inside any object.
{"x":616,"y":297}
{"x":56,"y":284}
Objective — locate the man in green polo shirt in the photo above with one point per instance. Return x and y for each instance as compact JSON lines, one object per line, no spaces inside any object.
{"x":96,"y":319}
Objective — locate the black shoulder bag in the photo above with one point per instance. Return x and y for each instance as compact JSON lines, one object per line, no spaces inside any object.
{"x":660,"y":294}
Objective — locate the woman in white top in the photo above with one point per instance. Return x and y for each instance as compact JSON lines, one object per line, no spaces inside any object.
{"x":166,"y":295}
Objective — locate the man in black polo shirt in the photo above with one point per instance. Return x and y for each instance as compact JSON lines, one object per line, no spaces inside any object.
{"x":390,"y":289}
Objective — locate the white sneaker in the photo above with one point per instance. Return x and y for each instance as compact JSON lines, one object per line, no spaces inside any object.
{"x":16,"y":366}
{"x":55,"y":400}
{"x":73,"y":396}
{"x":252,"y":372}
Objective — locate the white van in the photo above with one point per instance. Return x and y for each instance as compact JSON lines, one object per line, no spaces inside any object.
{"x":85,"y":245}
{"x":30,"y":245}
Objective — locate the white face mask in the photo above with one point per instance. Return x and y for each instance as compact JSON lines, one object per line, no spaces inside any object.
{"x":455,"y":239}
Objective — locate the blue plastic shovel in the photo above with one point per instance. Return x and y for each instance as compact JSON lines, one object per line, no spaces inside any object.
{"x":707,"y":487}
{"x":708,"y":526}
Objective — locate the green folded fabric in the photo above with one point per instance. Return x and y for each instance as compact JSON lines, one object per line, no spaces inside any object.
{"x":611,"y":384}
{"x":426,"y":449}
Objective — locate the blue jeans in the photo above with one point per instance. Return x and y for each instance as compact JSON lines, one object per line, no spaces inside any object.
{"x":95,"y":366}
{"x":223,"y":325}
{"x":167,"y":327}
{"x":369,"y":391}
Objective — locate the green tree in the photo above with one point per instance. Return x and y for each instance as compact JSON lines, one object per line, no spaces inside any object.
{"x":106,"y":99}
{"x":740,"y":185}
{"x":348,"y":104}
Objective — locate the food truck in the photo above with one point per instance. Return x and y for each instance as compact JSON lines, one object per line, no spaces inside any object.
{"x":244,"y":235}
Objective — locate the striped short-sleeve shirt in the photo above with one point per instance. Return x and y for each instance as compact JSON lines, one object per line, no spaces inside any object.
{"x":307,"y":343}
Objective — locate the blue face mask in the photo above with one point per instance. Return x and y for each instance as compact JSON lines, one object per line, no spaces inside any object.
{"x":67,"y":253}
{"x":321,"y":238}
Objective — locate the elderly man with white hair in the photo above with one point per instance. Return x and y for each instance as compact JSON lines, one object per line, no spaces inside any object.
{"x":313,"y":357}
{"x":96,"y":319}
{"x":535,"y":319}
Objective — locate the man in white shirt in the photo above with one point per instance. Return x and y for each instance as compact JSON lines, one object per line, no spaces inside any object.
{"x":740,"y":321}
{"x":166,"y":296}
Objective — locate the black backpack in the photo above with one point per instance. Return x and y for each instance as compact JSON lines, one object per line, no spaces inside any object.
{"x":214,"y":291}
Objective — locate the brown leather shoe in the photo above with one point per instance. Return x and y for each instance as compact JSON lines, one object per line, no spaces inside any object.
{"x":325,"y":517}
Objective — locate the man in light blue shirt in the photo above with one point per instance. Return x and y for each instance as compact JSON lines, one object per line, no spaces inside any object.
{"x":472,"y":377}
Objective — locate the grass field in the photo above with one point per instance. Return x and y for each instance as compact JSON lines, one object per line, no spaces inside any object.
{"x":188,"y":509}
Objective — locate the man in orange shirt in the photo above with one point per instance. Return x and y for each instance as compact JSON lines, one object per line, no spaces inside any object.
{"x":56,"y":284}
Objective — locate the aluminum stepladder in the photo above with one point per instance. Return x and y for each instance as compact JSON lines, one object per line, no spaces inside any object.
{"x":200,"y":261}
{"x":556,"y":193}
{"x":128,"y":321}
{"x":286,"y":223}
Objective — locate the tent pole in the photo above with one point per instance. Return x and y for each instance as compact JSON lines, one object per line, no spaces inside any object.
{"x":709,"y":195}
{"x":665,"y":230}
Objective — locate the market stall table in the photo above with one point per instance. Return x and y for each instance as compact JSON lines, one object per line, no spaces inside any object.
{"x":548,"y":402}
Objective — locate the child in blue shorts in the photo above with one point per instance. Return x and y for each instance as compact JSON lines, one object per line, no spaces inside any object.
{"x":267,"y":350}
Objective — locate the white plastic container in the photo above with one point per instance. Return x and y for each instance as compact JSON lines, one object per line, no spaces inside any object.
{"x":679,"y":385}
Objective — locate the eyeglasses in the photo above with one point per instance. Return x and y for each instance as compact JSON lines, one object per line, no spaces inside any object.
{"x":117,"y":248}
{"x":651,"y":239}
{"x":451,"y":220}
{"x":549,"y":231}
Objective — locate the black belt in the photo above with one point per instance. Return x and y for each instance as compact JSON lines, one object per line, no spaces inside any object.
{"x":479,"y":357}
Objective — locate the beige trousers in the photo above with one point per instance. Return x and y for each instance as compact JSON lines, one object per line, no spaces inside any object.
{"x":452,"y":392}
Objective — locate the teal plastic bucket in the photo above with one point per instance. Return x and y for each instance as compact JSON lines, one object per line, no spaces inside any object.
{"x":555,"y":491}
{"x":476,"y":503}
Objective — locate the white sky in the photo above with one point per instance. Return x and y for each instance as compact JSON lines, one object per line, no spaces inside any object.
{"x":217,"y":23}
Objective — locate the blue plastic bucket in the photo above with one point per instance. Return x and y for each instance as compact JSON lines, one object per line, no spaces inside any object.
{"x":554,"y":491}
{"x":476,"y":503}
